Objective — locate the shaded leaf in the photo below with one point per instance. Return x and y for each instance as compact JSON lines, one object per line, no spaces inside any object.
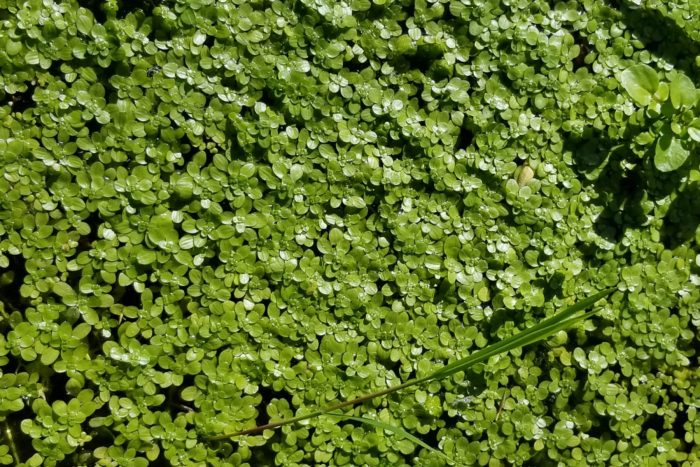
{"x":641,"y":82}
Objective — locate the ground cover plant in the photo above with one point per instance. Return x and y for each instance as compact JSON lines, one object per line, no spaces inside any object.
{"x":214,"y":214}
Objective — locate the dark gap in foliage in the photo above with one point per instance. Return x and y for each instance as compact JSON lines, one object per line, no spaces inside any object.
{"x":22,"y":441}
{"x":57,"y":388}
{"x":678,"y":425}
{"x":425,"y":57}
{"x":230,"y":82}
{"x":552,"y":287}
{"x":12,"y":279}
{"x":161,"y":28}
{"x":328,"y":31}
{"x":375,"y":12}
{"x":585,"y":48}
{"x":310,"y":18}
{"x":497,"y":319}
{"x":622,"y":209}
{"x":92,"y":125}
{"x":188,"y":151}
{"x":354,"y":65}
{"x":134,"y":6}
{"x":21,"y":100}
{"x":621,"y":191}
{"x":444,"y":291}
{"x":274,"y":98}
{"x":542,"y":459}
{"x":161,"y":460}
{"x":682,"y":218}
{"x":82,"y":456}
{"x":95,"y":341}
{"x":55,"y":69}
{"x":264,"y":455}
{"x":540,"y":359}
{"x":94,"y":220}
{"x":126,"y":296}
{"x":268,"y":394}
{"x":487,"y":178}
{"x":96,"y":7}
{"x":655,"y":422}
{"x":388,"y":364}
{"x":313,"y":249}
{"x":465,"y":137}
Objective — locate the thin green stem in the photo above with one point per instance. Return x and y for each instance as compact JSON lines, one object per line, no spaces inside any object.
{"x":536,"y":333}
{"x":11,"y":443}
{"x":316,"y":413}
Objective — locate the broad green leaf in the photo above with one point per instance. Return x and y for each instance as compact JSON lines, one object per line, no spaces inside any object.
{"x":452,"y":247}
{"x":81,"y":331}
{"x":162,"y":233}
{"x":694,"y":130}
{"x":296,"y":172}
{"x":63,"y":290}
{"x":49,"y":356}
{"x":670,"y":153}
{"x":683,"y":92}
{"x":641,"y":82}
{"x":146,"y":257}
{"x":84,"y":21}
{"x":13,"y":48}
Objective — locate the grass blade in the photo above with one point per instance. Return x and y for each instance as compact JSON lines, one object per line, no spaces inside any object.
{"x":537,"y":332}
{"x":397,"y":430}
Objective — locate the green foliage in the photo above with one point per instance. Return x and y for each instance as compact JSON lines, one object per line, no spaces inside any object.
{"x":216,"y":213}
{"x":674,"y":134}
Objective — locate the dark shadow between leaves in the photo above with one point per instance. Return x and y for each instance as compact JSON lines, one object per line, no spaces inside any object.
{"x":621,"y":179}
{"x":682,"y":218}
{"x":661,"y":36}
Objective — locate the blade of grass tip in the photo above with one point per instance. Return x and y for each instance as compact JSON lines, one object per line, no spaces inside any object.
{"x":537,"y":332}
{"x":397,"y":430}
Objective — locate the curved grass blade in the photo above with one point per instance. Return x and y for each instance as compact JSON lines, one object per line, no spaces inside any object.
{"x":537,"y":332}
{"x":397,"y":430}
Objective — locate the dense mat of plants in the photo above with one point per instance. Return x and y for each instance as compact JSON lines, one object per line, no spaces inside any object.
{"x":217,"y":213}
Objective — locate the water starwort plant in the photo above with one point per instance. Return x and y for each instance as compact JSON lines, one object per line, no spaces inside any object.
{"x":219,"y":213}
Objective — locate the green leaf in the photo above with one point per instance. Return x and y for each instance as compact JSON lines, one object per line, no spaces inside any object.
{"x":397,"y":430}
{"x":49,"y":356}
{"x":641,"y":82}
{"x":81,"y":331}
{"x":63,"y":290}
{"x":683,"y":92}
{"x":189,"y":393}
{"x":162,"y":233}
{"x":13,"y":48}
{"x":84,"y":21}
{"x":670,"y":153}
{"x":452,"y":247}
{"x":146,"y":257}
{"x":296,"y":172}
{"x":694,"y":130}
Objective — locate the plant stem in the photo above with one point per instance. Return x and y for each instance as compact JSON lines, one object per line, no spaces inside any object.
{"x":331,"y":408}
{"x":535,"y":333}
{"x":11,"y":442}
